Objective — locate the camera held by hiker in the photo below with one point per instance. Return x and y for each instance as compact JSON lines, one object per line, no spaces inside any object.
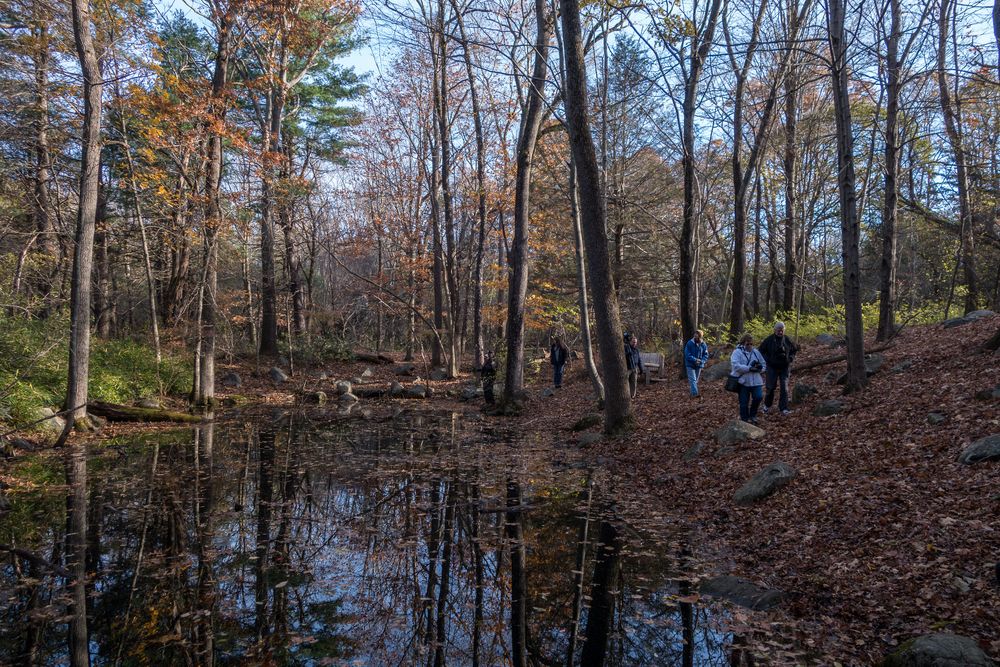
{"x":748,"y":365}
{"x":695,"y":358}
{"x":633,"y":362}
{"x":779,"y":352}
{"x":558,"y":356}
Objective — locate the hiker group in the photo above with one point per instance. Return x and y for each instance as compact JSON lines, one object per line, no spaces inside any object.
{"x":755,"y":374}
{"x":752,"y":370}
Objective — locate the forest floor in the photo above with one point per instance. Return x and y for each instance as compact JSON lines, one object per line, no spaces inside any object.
{"x":882,"y":536}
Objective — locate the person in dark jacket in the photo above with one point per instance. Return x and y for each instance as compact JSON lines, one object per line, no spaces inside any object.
{"x":695,"y":356}
{"x":633,"y":362}
{"x":779,"y":351}
{"x":488,"y":375}
{"x":558,"y":356}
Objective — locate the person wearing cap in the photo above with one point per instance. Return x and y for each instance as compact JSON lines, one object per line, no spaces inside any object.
{"x":779,"y":351}
{"x":695,"y":357}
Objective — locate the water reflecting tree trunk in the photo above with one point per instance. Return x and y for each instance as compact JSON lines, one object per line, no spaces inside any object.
{"x":76,"y":555}
{"x":603,"y":595}
{"x":514,"y":531}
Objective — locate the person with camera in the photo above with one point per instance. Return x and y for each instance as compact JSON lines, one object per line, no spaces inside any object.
{"x":748,"y":365}
{"x":779,"y":352}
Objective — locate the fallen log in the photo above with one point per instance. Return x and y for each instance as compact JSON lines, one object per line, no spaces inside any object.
{"x":374,"y":358}
{"x":126,"y":413}
{"x":362,"y":391}
{"x":798,"y":368}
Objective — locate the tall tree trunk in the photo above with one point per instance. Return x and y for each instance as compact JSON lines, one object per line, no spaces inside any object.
{"x":700,"y":47}
{"x":790,"y":160}
{"x":887,"y":263}
{"x":518,"y":258}
{"x":104,"y":303}
{"x":954,"y":131}
{"x":293,"y":268}
{"x":477,"y":313}
{"x":268,"y":288}
{"x":849,"y":224}
{"x":617,"y":403}
{"x":83,"y":253}
{"x":43,"y":209}
{"x":213,"y":213}
{"x":581,"y":281}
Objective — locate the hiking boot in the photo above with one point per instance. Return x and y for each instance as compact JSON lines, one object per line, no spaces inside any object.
{"x":765,"y":409}
{"x":786,"y":412}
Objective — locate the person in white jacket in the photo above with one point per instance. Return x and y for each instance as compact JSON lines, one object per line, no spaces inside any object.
{"x":748,"y":365}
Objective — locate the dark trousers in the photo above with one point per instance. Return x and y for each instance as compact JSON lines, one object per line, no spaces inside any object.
{"x":749,"y":402}
{"x":488,"y":390}
{"x":557,"y":374}
{"x":779,"y":379}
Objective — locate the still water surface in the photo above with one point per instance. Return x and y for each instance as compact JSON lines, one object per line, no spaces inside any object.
{"x":296,"y":539}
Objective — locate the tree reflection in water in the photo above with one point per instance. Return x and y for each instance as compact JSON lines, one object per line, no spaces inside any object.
{"x":289,"y":540}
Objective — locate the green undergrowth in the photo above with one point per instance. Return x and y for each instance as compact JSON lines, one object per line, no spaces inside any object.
{"x":34,"y":358}
{"x":831,"y":320}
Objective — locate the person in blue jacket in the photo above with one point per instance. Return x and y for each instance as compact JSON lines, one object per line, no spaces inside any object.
{"x":695,"y":357}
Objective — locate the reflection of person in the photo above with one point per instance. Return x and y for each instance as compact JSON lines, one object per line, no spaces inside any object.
{"x":747,"y":365}
{"x":487,"y":375}
{"x":779,"y":352}
{"x":633,"y":362}
{"x":695,"y":356}
{"x":558,"y":355}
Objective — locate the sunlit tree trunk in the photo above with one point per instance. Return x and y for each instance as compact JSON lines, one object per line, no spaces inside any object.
{"x":849,"y":224}
{"x":617,"y":402}
{"x":83,"y":254}
{"x":518,"y":271}
{"x":581,"y":281}
{"x":954,"y":131}
{"x":887,"y":263}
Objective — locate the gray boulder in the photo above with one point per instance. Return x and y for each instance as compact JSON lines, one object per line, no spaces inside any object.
{"x":800,"y":391}
{"x":742,"y":592}
{"x":716,"y":371}
{"x":547,"y":392}
{"x":416,"y":391}
{"x":588,"y":439}
{"x":52,"y":424}
{"x":939,"y":649}
{"x":827,"y":339}
{"x":968,"y":318}
{"x":439,"y":374}
{"x":984,"y":449}
{"x":395,"y":389}
{"x":277,"y":375}
{"x":232,"y":380}
{"x":764,"y":483}
{"x":343,"y":387}
{"x":902,"y":366}
{"x":150,"y":403}
{"x":694,"y":451}
{"x":404,"y":369}
{"x":348,"y":399}
{"x":873,"y":363}
{"x":828,"y":407}
{"x":317,"y":397}
{"x":738,"y":431}
{"x":470,"y":392}
{"x":367,"y":374}
{"x":936,"y":418}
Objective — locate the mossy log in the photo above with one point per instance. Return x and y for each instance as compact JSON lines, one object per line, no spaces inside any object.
{"x":127,"y":413}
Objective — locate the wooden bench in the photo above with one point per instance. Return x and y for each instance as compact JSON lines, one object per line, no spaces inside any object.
{"x":652,"y":362}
